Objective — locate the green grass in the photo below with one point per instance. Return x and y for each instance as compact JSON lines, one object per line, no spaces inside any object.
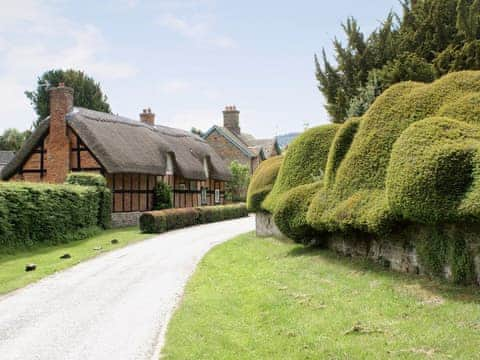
{"x":254,"y":298}
{"x":47,"y":258}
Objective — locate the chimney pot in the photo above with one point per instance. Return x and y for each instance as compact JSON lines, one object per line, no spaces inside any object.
{"x":231,"y":119}
{"x":147,"y":117}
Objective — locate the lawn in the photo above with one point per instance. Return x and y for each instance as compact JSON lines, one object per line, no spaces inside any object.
{"x":254,"y":298}
{"x":47,"y":258}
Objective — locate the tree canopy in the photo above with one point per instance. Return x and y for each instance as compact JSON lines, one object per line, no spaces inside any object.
{"x":87,"y":92}
{"x":429,"y":39}
{"x":12,"y":139}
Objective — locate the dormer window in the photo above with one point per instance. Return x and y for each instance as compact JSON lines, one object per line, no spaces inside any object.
{"x":169,"y":170}
{"x":205,"y":168}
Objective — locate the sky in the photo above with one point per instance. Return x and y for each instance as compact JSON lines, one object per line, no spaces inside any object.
{"x":185,"y":59}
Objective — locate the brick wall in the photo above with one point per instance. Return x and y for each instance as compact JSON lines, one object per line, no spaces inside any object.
{"x":58,"y":144}
{"x":227,"y":150}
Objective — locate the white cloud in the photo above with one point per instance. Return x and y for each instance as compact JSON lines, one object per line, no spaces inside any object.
{"x":198,"y":30}
{"x":34,"y":38}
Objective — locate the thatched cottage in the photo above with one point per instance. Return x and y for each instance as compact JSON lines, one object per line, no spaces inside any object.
{"x":231,"y":144}
{"x":132,"y":155}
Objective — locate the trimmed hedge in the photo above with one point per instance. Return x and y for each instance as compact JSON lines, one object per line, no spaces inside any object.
{"x":104,"y":193}
{"x":291,"y":212}
{"x":414,"y":157}
{"x":38,"y":213}
{"x":155,"y":222}
{"x":262,"y":182}
{"x":304,"y":162}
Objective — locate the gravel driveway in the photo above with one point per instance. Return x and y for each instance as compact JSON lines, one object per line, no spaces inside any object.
{"x":115,"y":306}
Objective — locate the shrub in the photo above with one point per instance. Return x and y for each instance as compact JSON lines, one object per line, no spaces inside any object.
{"x":262,"y":182}
{"x":86,"y":179}
{"x":105,"y":195}
{"x":304,"y":162}
{"x":236,"y":188}
{"x":162,"y":196}
{"x":38,"y":213}
{"x":165,"y":220}
{"x":291,"y":212}
{"x":429,"y":174}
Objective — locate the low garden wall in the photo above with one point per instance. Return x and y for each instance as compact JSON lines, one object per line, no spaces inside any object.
{"x":450,"y":251}
{"x":156,"y":222}
{"x":125,"y":219}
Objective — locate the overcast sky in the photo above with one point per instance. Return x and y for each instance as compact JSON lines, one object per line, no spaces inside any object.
{"x":186,"y":59}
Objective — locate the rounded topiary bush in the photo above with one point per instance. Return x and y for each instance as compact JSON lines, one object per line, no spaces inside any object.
{"x":262,"y":182}
{"x":291,"y":212}
{"x":431,"y":170}
{"x":339,"y":148}
{"x":304,"y":162}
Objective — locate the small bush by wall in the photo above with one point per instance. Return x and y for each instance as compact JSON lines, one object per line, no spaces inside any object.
{"x":104,"y":193}
{"x":39,"y":213}
{"x":162,"y":196}
{"x":164,"y":220}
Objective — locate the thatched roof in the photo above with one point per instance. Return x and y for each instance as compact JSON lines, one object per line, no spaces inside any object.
{"x":123,"y":145}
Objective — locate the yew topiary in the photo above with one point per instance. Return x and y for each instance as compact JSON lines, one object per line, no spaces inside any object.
{"x":304,"y":162}
{"x":262,"y":182}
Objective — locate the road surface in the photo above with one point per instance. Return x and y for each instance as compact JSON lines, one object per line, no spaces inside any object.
{"x":115,"y":306}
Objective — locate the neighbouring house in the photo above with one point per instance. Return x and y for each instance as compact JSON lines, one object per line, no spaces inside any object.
{"x":132,"y":155}
{"x":231,"y":144}
{"x":5,"y":158}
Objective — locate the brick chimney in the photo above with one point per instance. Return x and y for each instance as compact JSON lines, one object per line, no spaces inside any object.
{"x":58,"y":145}
{"x":147,"y":117}
{"x":231,"y":119}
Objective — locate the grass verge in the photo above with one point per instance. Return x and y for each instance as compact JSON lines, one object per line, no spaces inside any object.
{"x":254,"y":298}
{"x":47,"y":258}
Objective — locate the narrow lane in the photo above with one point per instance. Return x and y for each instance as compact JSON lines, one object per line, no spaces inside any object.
{"x":115,"y":306}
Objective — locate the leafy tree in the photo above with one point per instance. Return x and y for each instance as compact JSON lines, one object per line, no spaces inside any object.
{"x":366,"y":96}
{"x":87,"y":92}
{"x":429,"y":39}
{"x":236,"y":189}
{"x":12,"y":139}
{"x":407,"y":66}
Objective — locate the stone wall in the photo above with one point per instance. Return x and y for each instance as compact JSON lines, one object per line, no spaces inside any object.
{"x":266,"y":227}
{"x":396,"y":251}
{"x":124,"y":219}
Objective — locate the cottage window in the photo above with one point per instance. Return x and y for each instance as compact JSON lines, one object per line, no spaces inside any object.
{"x":217,"y":196}
{"x":204,"y":196}
{"x":182,"y":187}
{"x":193,"y":185}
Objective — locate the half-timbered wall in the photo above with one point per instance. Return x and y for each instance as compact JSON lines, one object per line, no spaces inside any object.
{"x":81,"y":159}
{"x":131,"y":192}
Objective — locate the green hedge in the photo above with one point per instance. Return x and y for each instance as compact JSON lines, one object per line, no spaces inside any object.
{"x":155,"y":222}
{"x":262,"y":182}
{"x":38,"y":213}
{"x":304,"y":162}
{"x":104,"y":193}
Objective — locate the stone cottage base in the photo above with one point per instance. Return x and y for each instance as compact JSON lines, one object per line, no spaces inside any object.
{"x":125,"y":219}
{"x":398,"y":252}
